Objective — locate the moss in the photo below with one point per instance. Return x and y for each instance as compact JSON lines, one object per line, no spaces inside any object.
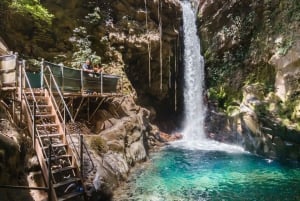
{"x":116,"y":148}
{"x":232,"y":110}
{"x":98,"y":144}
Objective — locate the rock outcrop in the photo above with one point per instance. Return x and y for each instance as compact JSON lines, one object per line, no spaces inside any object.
{"x":12,"y":158}
{"x":254,"y":126}
{"x":120,"y":137}
{"x":246,"y":47}
{"x":136,"y":39}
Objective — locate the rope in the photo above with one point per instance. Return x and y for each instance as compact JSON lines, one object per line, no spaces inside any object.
{"x":160,"y":42}
{"x":148,"y":45}
{"x":175,"y":74}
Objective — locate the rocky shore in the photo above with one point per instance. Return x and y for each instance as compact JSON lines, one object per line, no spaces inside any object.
{"x":120,"y":137}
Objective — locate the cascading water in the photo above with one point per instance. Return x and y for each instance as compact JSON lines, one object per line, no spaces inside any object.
{"x":193,"y":78}
{"x":194,"y":108}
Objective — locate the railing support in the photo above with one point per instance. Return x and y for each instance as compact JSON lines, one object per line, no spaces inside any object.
{"x":81,"y":155}
{"x":42,"y":74}
{"x":101,"y":82}
{"x":49,"y":174}
{"x":62,"y":78}
{"x":34,"y":125}
{"x":22,"y":85}
{"x":81,"y":81}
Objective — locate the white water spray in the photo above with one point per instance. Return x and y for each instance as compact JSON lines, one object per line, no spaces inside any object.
{"x":194,"y":109}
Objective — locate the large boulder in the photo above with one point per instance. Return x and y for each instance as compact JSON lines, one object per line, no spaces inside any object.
{"x":287,"y":72}
{"x":116,"y":148}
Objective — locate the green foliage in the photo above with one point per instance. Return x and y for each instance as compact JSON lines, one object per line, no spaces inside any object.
{"x":82,"y":46}
{"x":264,"y":75}
{"x":286,"y":109}
{"x":218,"y":95}
{"x":98,"y":144}
{"x":285,"y":46}
{"x":94,"y":17}
{"x":33,"y":8}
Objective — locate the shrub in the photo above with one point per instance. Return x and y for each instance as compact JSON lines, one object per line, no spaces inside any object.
{"x":98,"y":144}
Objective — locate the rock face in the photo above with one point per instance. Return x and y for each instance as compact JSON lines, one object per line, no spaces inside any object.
{"x":140,"y":38}
{"x":287,"y":72}
{"x":254,"y":127}
{"x":120,"y":138}
{"x":3,"y":47}
{"x":12,"y":154}
{"x":147,"y":35}
{"x":246,"y":47}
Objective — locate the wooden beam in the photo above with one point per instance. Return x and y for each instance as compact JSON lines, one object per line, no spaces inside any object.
{"x":102,"y":100}
{"x":78,"y":109}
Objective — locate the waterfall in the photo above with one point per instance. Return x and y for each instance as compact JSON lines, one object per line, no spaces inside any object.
{"x":194,"y":109}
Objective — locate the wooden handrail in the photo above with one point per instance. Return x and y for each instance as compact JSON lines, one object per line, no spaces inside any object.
{"x":63,"y":118}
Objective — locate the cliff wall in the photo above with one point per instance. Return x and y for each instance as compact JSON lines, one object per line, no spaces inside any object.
{"x":251,"y":50}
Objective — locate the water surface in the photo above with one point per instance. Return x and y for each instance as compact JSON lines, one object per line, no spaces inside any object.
{"x":177,"y":174}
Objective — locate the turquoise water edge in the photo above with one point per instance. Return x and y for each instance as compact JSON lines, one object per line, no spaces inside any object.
{"x":177,"y":174}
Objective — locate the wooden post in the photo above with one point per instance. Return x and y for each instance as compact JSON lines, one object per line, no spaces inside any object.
{"x":62,"y":78}
{"x":42,"y":74}
{"x":20,"y":80}
{"x":81,"y":81}
{"x":20,"y":91}
{"x":34,"y":125}
{"x":81,"y":155}
{"x":49,"y":174}
{"x":101,"y":82}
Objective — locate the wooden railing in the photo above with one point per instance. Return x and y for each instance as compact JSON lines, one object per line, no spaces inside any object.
{"x":36,"y":140}
{"x":75,"y":80}
{"x":50,"y":85}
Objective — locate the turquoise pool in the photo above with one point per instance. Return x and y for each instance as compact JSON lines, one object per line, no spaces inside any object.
{"x":178,"y":174}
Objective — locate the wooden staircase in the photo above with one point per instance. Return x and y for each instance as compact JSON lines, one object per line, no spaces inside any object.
{"x":58,"y":163}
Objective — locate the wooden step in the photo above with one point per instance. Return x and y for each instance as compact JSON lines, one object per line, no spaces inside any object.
{"x":63,"y":169}
{"x":35,"y":93}
{"x":45,"y":115}
{"x":38,"y":101}
{"x":51,"y":135}
{"x":37,"y":97}
{"x":68,"y":181}
{"x":47,"y":118}
{"x":41,"y":106}
{"x":70,"y":195}
{"x":46,"y":125}
{"x":59,"y":157}
{"x":55,"y":146}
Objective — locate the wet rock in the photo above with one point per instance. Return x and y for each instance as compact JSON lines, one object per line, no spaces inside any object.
{"x":164,"y":137}
{"x":127,"y":141}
